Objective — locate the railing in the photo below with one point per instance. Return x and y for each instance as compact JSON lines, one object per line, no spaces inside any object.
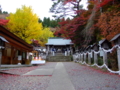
{"x":90,"y":58}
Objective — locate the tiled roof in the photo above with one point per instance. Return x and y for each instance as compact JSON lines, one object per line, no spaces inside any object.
{"x":58,"y":41}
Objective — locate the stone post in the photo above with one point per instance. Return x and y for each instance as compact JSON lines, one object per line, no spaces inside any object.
{"x":78,"y":57}
{"x":71,"y":50}
{"x":95,"y":58}
{"x":53,"y":53}
{"x":89,"y":58}
{"x":118,"y":56}
{"x":47,"y":50}
{"x":105,"y":58}
{"x":84,"y":57}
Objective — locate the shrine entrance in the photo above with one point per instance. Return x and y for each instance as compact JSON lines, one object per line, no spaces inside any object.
{"x":59,"y":49}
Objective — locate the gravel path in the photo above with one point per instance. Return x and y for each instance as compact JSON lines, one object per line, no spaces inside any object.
{"x":88,"y":78}
{"x":81,"y":76}
{"x":19,"y":82}
{"x":20,"y":70}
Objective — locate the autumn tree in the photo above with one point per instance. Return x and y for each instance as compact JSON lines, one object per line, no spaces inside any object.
{"x":3,"y":22}
{"x":71,"y":29}
{"x":108,"y":22}
{"x":109,"y":26}
{"x":24,"y":24}
{"x":46,"y":33}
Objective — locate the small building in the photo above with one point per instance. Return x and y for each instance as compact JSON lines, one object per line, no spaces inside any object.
{"x":16,"y":50}
{"x":59,"y":45}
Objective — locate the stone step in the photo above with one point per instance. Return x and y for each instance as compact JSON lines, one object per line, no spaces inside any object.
{"x":59,"y":58}
{"x":59,"y":54}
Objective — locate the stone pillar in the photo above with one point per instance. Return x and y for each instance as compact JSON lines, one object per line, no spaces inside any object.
{"x":79,"y":57}
{"x":71,"y":50}
{"x":95,"y":58}
{"x":105,"y":58}
{"x":82,"y":57}
{"x":85,"y":57}
{"x":48,"y":48}
{"x":89,"y":58}
{"x":53,"y":52}
{"x":118,"y":56}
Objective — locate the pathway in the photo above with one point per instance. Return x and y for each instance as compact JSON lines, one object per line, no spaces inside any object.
{"x":60,"y":79}
{"x":59,"y":76}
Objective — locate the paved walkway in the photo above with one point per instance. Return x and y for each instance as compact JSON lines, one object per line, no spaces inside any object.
{"x":60,"y":79}
{"x":59,"y":76}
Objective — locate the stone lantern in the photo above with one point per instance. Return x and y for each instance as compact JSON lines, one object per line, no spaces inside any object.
{"x":88,"y":48}
{"x":85,"y":53}
{"x":95,"y":48}
{"x":81,"y":54}
{"x":105,"y":45}
{"x":89,"y":54}
{"x":116,"y":41}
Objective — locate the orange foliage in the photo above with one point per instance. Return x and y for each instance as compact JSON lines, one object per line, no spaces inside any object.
{"x":109,"y":24}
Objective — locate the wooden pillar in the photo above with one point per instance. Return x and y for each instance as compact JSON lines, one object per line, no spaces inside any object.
{"x":20,"y":54}
{"x":12,"y":55}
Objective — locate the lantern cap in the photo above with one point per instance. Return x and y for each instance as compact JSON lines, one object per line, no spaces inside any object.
{"x":115,"y":37}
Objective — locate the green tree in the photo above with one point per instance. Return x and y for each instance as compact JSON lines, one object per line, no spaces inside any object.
{"x":47,"y":22}
{"x":24,"y":23}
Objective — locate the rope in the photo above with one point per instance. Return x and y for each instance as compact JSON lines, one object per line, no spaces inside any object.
{"x":75,"y":57}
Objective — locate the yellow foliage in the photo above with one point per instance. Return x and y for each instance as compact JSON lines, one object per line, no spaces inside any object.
{"x":24,"y":24}
{"x":46,"y":33}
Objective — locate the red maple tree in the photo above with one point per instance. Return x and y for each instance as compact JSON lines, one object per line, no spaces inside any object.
{"x":3,"y":22}
{"x":71,"y":29}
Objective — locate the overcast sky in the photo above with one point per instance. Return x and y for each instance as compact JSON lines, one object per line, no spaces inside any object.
{"x":40,"y":7}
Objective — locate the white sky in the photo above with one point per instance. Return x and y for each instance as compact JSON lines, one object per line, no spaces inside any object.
{"x":40,"y":7}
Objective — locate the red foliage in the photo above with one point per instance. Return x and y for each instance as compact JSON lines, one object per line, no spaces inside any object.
{"x":3,"y":21}
{"x":100,"y":3}
{"x":71,"y":29}
{"x":35,"y":42}
{"x":104,"y":2}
